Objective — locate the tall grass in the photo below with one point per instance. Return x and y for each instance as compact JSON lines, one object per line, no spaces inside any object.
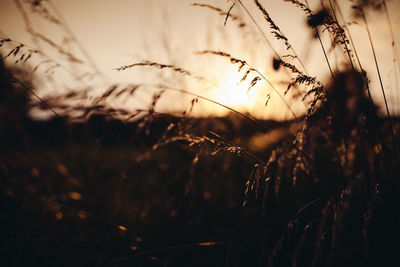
{"x":326,"y":195}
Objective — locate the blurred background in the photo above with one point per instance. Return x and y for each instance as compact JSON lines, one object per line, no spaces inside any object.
{"x":172,"y":32}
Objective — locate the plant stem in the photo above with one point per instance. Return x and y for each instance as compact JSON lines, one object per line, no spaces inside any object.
{"x":374,"y":55}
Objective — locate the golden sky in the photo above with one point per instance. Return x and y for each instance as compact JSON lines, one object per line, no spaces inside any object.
{"x":122,"y":32}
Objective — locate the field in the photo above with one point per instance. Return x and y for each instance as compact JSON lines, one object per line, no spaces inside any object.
{"x":87,"y":181}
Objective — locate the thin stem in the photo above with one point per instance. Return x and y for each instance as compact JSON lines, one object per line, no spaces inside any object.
{"x":259,"y":29}
{"x":374,"y":55}
{"x":266,"y":39}
{"x":325,"y":55}
{"x":290,"y":46}
{"x":38,"y":97}
{"x":322,"y":46}
{"x":81,"y":211}
{"x":394,"y":43}
{"x":396,"y":67}
{"x":248,"y":117}
{"x":352,"y":45}
{"x":27,"y":22}
{"x":344,"y":41}
{"x":75,"y":39}
{"x":251,"y":68}
{"x":48,"y":58}
{"x":276,"y":91}
{"x":219,"y":136}
{"x":235,"y":145}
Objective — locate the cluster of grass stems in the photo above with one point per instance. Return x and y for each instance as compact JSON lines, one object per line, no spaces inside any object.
{"x":340,"y":169}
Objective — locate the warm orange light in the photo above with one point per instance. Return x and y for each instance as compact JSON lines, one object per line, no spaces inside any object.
{"x":234,"y":92}
{"x":75,"y":195}
{"x":122,"y":228}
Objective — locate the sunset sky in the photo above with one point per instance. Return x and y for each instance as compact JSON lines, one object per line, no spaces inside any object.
{"x":117,"y":33}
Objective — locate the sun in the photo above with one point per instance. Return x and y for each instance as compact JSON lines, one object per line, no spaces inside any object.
{"x":235,"y":93}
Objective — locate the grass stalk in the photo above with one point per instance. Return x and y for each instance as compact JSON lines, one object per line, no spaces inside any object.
{"x":75,"y":39}
{"x":342,"y":37}
{"x":322,"y":47}
{"x":352,"y":44}
{"x":248,"y":117}
{"x":374,"y":56}
{"x":396,"y":63}
{"x":35,"y":95}
{"x":251,"y":68}
{"x":277,"y":31}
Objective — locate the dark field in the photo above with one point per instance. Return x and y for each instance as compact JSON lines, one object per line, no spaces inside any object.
{"x":96,"y":192}
{"x":99,"y":192}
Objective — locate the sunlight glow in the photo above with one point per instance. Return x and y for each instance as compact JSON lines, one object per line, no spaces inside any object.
{"x":236,"y":93}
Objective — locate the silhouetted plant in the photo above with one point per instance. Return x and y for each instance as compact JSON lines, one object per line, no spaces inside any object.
{"x":326,"y":194}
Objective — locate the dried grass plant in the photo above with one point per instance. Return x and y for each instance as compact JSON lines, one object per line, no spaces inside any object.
{"x":339,"y":173}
